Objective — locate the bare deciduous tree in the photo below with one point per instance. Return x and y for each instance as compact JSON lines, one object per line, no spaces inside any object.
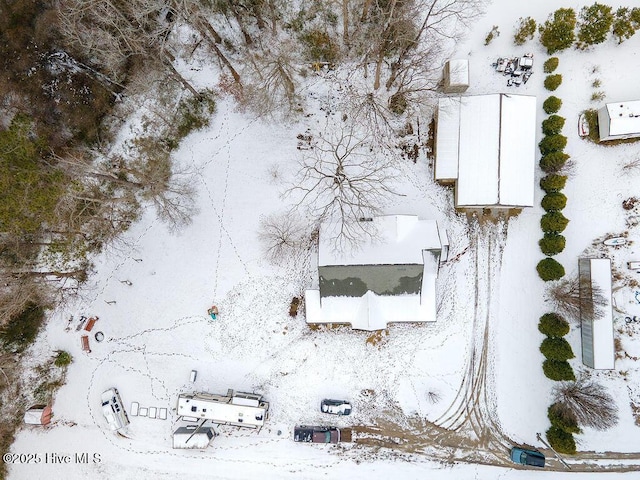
{"x":283,"y":235}
{"x":589,"y":402}
{"x":343,"y":179}
{"x":564,"y":296}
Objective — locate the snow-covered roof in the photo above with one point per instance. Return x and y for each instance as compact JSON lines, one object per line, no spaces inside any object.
{"x":397,"y":240}
{"x":458,"y":72}
{"x":38,"y":415}
{"x":602,"y":325}
{"x":186,"y":437}
{"x":447,"y":137}
{"x":623,"y":120}
{"x":372,"y":312}
{"x":517,"y":150}
{"x":478,"y":162}
{"x":495,"y":147}
{"x":221,"y":409}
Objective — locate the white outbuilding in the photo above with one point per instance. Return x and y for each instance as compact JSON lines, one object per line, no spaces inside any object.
{"x":193,"y":436}
{"x":619,"y":120}
{"x":456,"y":76}
{"x":486,"y":146}
{"x":596,"y":313}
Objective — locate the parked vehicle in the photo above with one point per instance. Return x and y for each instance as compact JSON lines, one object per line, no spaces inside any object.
{"x":315,"y":434}
{"x":524,"y":456}
{"x":335,"y":407}
{"x":113,"y":410}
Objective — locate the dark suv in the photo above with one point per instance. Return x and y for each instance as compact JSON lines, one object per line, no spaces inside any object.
{"x":524,"y":456}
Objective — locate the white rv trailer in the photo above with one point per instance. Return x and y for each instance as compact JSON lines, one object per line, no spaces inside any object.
{"x":235,"y":408}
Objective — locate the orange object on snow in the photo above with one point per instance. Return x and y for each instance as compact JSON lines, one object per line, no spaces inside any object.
{"x":92,"y":321}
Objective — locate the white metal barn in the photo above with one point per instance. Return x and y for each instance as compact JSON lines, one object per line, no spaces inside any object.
{"x":619,"y":120}
{"x":486,"y":145}
{"x":597,"y":321}
{"x":391,"y":277}
{"x":235,"y":408}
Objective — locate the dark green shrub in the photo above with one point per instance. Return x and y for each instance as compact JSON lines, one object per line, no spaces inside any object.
{"x":558,"y":32}
{"x":634,"y":16}
{"x":563,"y":418}
{"x":550,"y":269}
{"x":622,"y":27}
{"x":553,"y":222}
{"x":194,"y":113}
{"x":594,"y":26}
{"x":561,"y":441}
{"x":21,"y":330}
{"x":63,"y":359}
{"x":552,"y":125}
{"x":526,"y":30}
{"x":554,"y":161}
{"x":551,"y":105}
{"x":554,"y":201}
{"x":552,"y":81}
{"x":558,"y":371}
{"x":552,"y":143}
{"x":553,"y":182}
{"x":550,"y":65}
{"x":555,"y":348}
{"x":553,"y":325}
{"x":319,"y":46}
{"x":552,"y":244}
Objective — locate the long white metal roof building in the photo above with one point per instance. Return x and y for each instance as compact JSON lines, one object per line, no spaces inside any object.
{"x":487,"y":145}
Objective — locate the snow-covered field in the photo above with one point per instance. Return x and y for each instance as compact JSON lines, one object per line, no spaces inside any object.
{"x":157,"y":330}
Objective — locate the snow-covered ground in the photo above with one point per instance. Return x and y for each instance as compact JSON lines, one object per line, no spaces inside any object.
{"x":157,"y":330}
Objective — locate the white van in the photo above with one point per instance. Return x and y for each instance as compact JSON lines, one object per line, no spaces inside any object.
{"x":113,"y":410}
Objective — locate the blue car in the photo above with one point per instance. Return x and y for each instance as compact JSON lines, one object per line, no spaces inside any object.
{"x":531,"y":458}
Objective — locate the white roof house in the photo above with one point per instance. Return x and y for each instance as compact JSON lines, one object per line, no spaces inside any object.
{"x":235,"y":408}
{"x":391,"y":278}
{"x":619,"y":120}
{"x":596,"y":320}
{"x":486,"y":144}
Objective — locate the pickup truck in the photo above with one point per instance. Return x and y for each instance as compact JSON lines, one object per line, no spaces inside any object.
{"x":316,"y":434}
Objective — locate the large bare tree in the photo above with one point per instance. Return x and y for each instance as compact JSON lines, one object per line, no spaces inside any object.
{"x":343,"y":178}
{"x":564,"y":296}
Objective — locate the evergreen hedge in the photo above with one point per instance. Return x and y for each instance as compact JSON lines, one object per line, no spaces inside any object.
{"x":550,"y":65}
{"x":555,"y":348}
{"x":554,"y":201}
{"x":553,"y":182}
{"x":552,"y":125}
{"x":553,"y":222}
{"x":561,"y":441}
{"x":552,"y":244}
{"x":554,"y":161}
{"x":553,"y":325}
{"x":552,"y":143}
{"x":550,"y":269}
{"x":552,"y":82}
{"x":563,"y":418}
{"x":551,"y":105}
{"x":558,"y":370}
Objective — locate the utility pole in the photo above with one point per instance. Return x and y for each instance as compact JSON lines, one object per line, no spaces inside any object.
{"x":556,"y":453}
